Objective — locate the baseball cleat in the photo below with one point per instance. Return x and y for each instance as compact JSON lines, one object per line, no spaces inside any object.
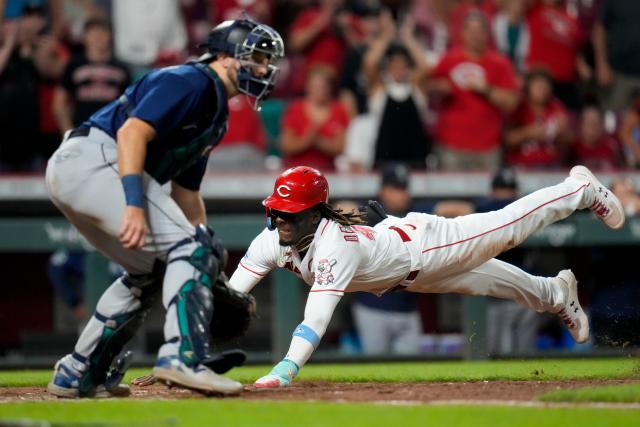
{"x":66,"y":382}
{"x":571,"y":312}
{"x":171,"y":370}
{"x":606,"y":205}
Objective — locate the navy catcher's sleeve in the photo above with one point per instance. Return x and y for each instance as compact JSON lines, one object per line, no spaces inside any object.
{"x":191,"y":178}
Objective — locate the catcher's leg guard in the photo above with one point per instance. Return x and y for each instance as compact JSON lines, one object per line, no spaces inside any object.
{"x":192,"y":265}
{"x":119,"y":314}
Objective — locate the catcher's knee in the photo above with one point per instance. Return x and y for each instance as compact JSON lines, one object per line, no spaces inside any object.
{"x":194,"y":298}
{"x":202,"y":251}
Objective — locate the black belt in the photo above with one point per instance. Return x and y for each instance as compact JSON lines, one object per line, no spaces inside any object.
{"x":79,"y":131}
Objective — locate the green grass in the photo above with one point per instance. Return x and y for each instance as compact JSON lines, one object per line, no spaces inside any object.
{"x":627,"y":393}
{"x":223,"y":412}
{"x":284,"y":414}
{"x":547,"y":369}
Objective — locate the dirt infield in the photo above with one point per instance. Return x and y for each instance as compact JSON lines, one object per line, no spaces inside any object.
{"x":518,"y":391}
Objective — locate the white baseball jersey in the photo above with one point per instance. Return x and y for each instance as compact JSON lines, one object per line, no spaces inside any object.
{"x":340,"y":259}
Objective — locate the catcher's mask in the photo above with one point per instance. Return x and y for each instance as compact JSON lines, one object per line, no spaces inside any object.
{"x":254,"y":45}
{"x":296,"y":190}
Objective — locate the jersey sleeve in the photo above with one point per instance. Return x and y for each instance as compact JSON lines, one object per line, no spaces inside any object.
{"x":169,"y":99}
{"x":191,"y":178}
{"x":258,"y":261}
{"x":334,"y":266}
{"x":293,"y":119}
{"x":307,"y":335}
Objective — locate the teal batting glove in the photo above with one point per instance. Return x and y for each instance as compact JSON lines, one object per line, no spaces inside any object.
{"x":280,"y":376}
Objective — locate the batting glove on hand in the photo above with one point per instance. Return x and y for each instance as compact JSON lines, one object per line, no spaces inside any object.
{"x":281,"y":375}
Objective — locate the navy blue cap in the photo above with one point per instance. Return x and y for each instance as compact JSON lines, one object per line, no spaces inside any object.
{"x":396,"y":175}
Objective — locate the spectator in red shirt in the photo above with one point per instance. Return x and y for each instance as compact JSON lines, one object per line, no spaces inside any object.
{"x":322,"y":34}
{"x":556,"y":39}
{"x":224,"y":10}
{"x":594,"y":148}
{"x":244,"y":145}
{"x":457,"y":17}
{"x":538,"y":132}
{"x":313,"y":128}
{"x":479,"y":85}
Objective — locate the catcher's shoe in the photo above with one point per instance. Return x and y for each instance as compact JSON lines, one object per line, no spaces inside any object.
{"x":605,"y":205}
{"x":571,"y":312}
{"x":220,"y":364}
{"x":171,"y":370}
{"x":66,"y":382}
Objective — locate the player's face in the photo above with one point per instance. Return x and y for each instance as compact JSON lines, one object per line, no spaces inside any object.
{"x":294,"y":226}
{"x":257,"y":64}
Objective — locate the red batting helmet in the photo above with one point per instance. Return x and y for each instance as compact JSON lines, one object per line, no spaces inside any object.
{"x":297,"y":189}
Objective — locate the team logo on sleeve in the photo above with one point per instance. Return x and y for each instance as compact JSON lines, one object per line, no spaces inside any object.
{"x":324,"y":276}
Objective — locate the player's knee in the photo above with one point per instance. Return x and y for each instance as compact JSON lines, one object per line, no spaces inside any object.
{"x":202,"y":251}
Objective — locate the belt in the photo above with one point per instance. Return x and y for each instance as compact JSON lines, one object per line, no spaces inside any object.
{"x":405,"y":283}
{"x":79,"y":131}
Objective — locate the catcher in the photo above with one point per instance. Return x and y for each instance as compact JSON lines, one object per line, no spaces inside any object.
{"x":107,"y":178}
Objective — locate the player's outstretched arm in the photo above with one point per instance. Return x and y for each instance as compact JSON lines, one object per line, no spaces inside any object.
{"x":306,"y":337}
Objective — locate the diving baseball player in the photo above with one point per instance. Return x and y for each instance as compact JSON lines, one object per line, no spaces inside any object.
{"x":107,"y":179}
{"x":335,"y":254}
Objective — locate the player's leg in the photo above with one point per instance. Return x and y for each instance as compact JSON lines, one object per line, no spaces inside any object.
{"x":78,"y":176}
{"x":406,"y":329}
{"x":192,"y":266}
{"x":453,"y":246}
{"x":373,"y":328}
{"x":499,"y":279}
{"x":121,"y":310}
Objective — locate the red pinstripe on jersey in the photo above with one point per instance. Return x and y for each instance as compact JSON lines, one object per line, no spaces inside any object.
{"x":324,"y":228}
{"x":250,"y":270}
{"x":507,"y":224}
{"x":327,"y":290}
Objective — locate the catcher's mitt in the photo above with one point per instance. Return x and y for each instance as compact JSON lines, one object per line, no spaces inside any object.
{"x":232,"y":311}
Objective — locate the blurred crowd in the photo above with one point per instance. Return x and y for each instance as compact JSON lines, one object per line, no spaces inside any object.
{"x":436,"y":84}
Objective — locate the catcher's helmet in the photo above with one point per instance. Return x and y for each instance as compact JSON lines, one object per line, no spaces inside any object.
{"x":244,"y":40}
{"x":297,"y":189}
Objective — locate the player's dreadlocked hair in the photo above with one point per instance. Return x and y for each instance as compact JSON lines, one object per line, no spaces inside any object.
{"x":340,"y":216}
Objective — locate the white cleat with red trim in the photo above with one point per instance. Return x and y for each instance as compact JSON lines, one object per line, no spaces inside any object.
{"x":606,"y":205}
{"x":571,"y":312}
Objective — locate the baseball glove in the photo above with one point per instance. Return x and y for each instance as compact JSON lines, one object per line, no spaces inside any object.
{"x":232,"y":311}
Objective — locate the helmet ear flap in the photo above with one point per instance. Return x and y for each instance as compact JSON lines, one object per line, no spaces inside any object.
{"x":271,"y":223}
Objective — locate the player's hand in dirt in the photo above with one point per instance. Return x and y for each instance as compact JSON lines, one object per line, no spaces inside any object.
{"x":144,"y":381}
{"x":281,"y":375}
